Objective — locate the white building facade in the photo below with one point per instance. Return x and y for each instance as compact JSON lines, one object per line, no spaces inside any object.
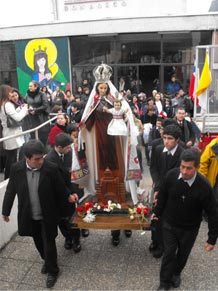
{"x":142,"y":40}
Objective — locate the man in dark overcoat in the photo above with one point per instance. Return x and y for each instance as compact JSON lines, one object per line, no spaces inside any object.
{"x":61,"y":155}
{"x":164,"y":157}
{"x":42,"y":200}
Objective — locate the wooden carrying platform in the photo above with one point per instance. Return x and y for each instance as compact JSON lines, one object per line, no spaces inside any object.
{"x":111,"y":188}
{"x":111,"y":222}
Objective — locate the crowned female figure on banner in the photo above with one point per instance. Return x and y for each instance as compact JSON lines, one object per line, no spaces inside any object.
{"x":104,"y":151}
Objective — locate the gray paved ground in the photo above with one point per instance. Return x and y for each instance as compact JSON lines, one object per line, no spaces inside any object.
{"x":100,"y":266}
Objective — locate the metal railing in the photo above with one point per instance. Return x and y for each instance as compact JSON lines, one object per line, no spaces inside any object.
{"x":208,"y":122}
{"x":36,"y":129}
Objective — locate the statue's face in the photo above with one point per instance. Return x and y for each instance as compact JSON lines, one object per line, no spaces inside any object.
{"x":117,"y":105}
{"x":102,"y":88}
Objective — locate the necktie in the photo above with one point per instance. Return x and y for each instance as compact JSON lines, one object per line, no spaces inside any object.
{"x":168,"y":159}
{"x":62,"y":157}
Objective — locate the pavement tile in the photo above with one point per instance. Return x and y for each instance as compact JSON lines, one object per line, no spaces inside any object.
{"x":83,"y":259}
{"x":8,"y":285}
{"x":140,"y":282}
{"x":23,"y":239}
{"x":19,"y":250}
{"x":26,"y":287}
{"x":13,"y":270}
{"x":205,"y":274}
{"x":70,"y":279}
{"x":34,"y":277}
{"x":102,"y":280}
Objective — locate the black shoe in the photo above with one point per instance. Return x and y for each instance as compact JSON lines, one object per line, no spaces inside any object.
{"x":77,"y":247}
{"x":176,"y":281}
{"x":43,"y":270}
{"x":128,"y":233}
{"x":164,"y":287}
{"x":51,"y":280}
{"x":85,"y":232}
{"x":157,"y":253}
{"x":152,"y":247}
{"x":68,"y":244}
{"x":115,"y":241}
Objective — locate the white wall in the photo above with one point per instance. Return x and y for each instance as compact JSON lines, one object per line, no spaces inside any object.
{"x":27,"y":12}
{"x":7,"y":229}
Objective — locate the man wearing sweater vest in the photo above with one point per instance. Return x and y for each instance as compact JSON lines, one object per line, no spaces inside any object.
{"x":183,"y":196}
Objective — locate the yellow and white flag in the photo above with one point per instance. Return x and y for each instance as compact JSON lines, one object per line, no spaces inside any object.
{"x":203,"y":84}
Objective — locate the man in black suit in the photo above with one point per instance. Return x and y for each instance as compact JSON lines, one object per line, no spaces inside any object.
{"x":42,"y":200}
{"x":61,"y":155}
{"x":182,"y":198}
{"x":188,"y":135}
{"x":164,"y":158}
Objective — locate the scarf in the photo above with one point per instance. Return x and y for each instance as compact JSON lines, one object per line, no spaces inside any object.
{"x":33,"y":94}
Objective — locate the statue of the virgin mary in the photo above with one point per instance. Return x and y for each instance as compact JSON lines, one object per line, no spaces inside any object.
{"x":118,"y":153}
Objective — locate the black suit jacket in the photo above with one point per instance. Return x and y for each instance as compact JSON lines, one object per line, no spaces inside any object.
{"x":63,"y":166}
{"x":159,"y":166}
{"x":52,"y":197}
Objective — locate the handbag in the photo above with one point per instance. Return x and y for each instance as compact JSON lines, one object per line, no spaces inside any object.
{"x":11,"y":123}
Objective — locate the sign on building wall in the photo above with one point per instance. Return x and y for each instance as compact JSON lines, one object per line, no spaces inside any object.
{"x":45,"y":60}
{"x":76,"y":10}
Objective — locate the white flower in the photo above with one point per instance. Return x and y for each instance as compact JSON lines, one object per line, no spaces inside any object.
{"x":98,"y":207}
{"x":118,"y":206}
{"x":89,"y":218}
{"x":132,"y":217}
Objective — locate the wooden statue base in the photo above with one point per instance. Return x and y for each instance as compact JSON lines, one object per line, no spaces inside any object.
{"x":112,"y":222}
{"x":111,"y":188}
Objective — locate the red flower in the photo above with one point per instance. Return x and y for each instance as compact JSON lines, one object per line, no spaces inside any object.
{"x":138,"y":210}
{"x":80,"y":209}
{"x":88,"y":205}
{"x":145,"y":211}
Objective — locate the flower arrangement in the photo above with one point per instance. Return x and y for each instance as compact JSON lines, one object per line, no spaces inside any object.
{"x":89,"y":210}
{"x":85,"y":211}
{"x":141,"y":211}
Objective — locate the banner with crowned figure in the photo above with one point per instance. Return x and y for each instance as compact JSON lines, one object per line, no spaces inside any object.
{"x":45,"y":60}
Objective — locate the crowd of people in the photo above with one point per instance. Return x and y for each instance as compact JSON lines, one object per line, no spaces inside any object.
{"x":99,"y":128}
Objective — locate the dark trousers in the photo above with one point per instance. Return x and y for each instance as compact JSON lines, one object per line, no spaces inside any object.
{"x":156,"y":233}
{"x":215,"y":191}
{"x":71,"y":234}
{"x":46,"y":246}
{"x":177,"y":247}
{"x":10,"y":159}
{"x":2,"y":161}
{"x":67,"y":231}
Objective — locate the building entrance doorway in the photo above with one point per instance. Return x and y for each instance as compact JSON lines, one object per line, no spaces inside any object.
{"x":149,"y":76}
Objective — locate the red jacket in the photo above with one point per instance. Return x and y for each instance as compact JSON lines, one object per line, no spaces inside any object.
{"x":55,"y":130}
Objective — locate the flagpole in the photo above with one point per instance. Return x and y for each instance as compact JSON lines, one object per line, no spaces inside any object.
{"x":196,"y":79}
{"x":207,"y":109}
